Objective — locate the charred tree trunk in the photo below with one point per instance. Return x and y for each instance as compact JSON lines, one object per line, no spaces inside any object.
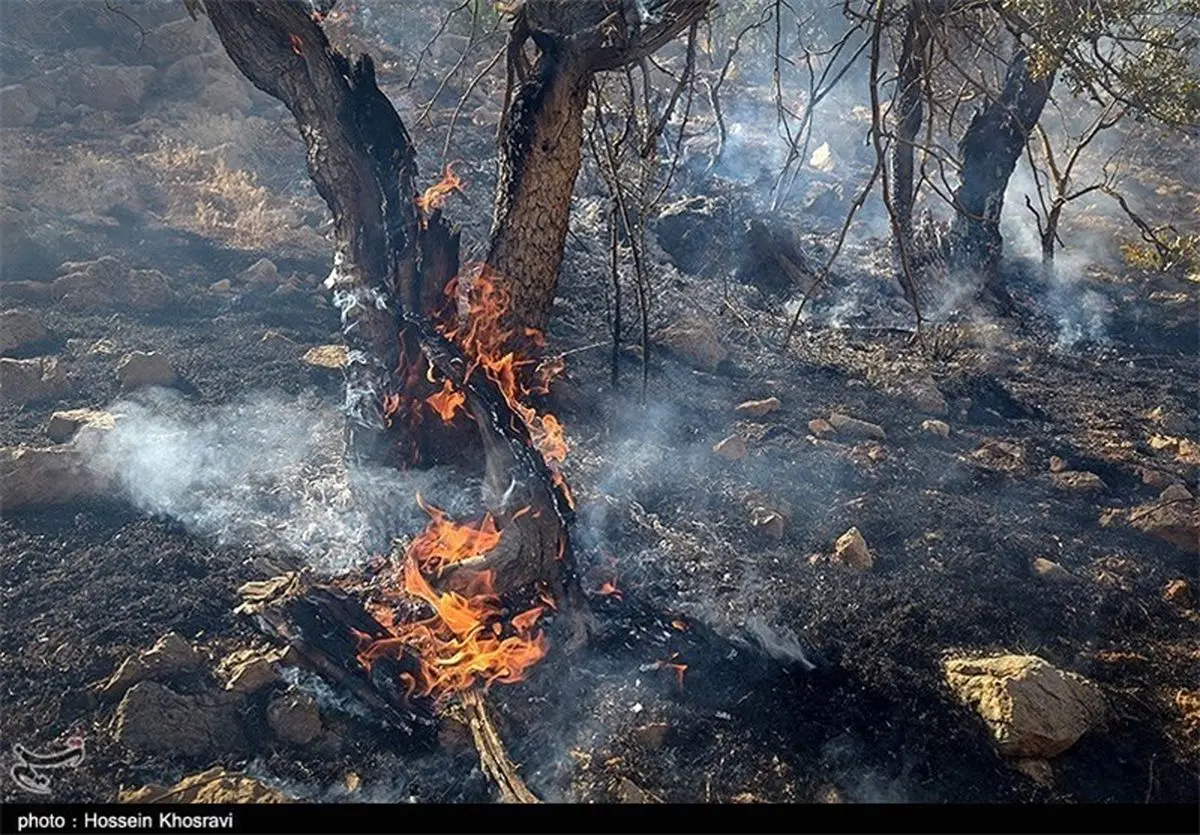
{"x":911,"y":114}
{"x":362,"y":162}
{"x":541,"y":135}
{"x":990,"y":148}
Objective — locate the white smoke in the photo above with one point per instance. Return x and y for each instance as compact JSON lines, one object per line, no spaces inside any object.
{"x":265,"y":471}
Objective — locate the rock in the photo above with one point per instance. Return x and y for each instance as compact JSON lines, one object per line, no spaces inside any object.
{"x":262,"y":274}
{"x":20,"y":329}
{"x":294,"y":718}
{"x":331,"y":357}
{"x":694,"y":341}
{"x":119,"y":89}
{"x":139,"y":369}
{"x":822,"y":159}
{"x":1179,"y":593}
{"x":169,"y":656}
{"x":627,"y":791}
{"x":846,"y":425}
{"x":732,"y":448}
{"x":222,"y":287}
{"x":1079,"y":480}
{"x":936,"y":427}
{"x":768,"y":522}
{"x":851,"y":550}
{"x":28,"y":381}
{"x":107,"y":283}
{"x":63,"y":425}
{"x":1174,"y":518}
{"x":1051,"y":571}
{"x":154,"y":720}
{"x":36,"y":476}
{"x":1032,"y":709}
{"x":998,"y":456}
{"x":757,"y":408}
{"x":821,"y":428}
{"x":17,"y":109}
{"x":925,"y":395}
{"x":1057,"y":465}
{"x":213,"y":786}
{"x":651,"y":736}
{"x":250,"y":670}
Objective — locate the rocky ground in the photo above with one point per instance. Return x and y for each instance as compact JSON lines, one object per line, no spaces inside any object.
{"x":956,"y":570}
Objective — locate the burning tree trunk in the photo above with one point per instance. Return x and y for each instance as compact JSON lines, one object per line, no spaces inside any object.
{"x":991,"y":146}
{"x":542,"y":128}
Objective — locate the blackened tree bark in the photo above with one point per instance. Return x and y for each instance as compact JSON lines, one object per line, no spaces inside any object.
{"x":990,"y":148}
{"x":911,"y":71}
{"x":542,"y":132}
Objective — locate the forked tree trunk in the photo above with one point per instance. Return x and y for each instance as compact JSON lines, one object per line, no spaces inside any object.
{"x":990,"y":148}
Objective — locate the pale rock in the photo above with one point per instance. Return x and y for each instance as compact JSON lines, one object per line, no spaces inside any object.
{"x":1057,"y":465}
{"x":822,"y":159}
{"x":37,"y":476}
{"x":20,"y":329}
{"x":769,"y":522}
{"x":216,"y":785}
{"x":261,"y":274}
{"x":1032,"y":709}
{"x":221,"y":287}
{"x":1179,"y":593}
{"x":853,"y":427}
{"x":1173,"y":518}
{"x":106,"y":283}
{"x":851,"y":550}
{"x":29,"y":381}
{"x":139,"y":369}
{"x":63,"y":425}
{"x":170,"y":656}
{"x":732,"y":448}
{"x":928,"y":399}
{"x":1078,"y":480}
{"x":329,"y":357}
{"x":936,"y":427}
{"x":821,"y":428}
{"x":999,"y":456}
{"x":250,"y":670}
{"x":294,"y":718}
{"x":695,"y":341}
{"x":153,"y":720}
{"x":757,"y":408}
{"x":1051,"y":571}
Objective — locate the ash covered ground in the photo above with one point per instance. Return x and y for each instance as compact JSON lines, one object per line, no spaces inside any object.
{"x":1015,"y":476}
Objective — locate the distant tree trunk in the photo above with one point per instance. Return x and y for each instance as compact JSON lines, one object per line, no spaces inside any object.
{"x":911,"y":71}
{"x":541,"y":135}
{"x":990,"y":148}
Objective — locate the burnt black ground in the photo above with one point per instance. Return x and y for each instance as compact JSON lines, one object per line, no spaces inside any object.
{"x":85,"y":585}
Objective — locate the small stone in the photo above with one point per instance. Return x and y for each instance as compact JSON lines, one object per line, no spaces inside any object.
{"x":1078,"y":480}
{"x":1032,"y":709}
{"x":1179,"y":593}
{"x":928,"y":399}
{"x":63,"y":425}
{"x":1175,"y":493}
{"x":1051,"y":571}
{"x":221,"y":287}
{"x":846,"y":425}
{"x":768,"y":522}
{"x":694,"y":340}
{"x":628,"y":791}
{"x":999,"y":456}
{"x":140,"y":369}
{"x":216,"y":785}
{"x":294,"y":718}
{"x":169,"y":656}
{"x":29,"y":381}
{"x":1057,"y":465}
{"x":732,"y":448}
{"x":1156,"y":478}
{"x":262,"y":274}
{"x":250,"y":670}
{"x":936,"y":427}
{"x":330,"y":357}
{"x":757,"y":408}
{"x":20,"y":329}
{"x":851,"y":550}
{"x":651,"y":736}
{"x":352,"y":782}
{"x":821,"y":428}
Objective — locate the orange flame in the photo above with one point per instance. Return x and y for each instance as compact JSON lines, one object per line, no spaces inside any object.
{"x":446,"y":402}
{"x":436,"y":195}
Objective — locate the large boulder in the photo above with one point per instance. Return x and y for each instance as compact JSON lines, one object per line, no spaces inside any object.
{"x":107,"y":283}
{"x":20,"y":329}
{"x":170,"y":656}
{"x":63,"y":425}
{"x":1032,"y":709}
{"x":35,"y":476}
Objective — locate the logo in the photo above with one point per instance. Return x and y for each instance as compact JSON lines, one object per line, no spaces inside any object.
{"x":31,"y":771}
